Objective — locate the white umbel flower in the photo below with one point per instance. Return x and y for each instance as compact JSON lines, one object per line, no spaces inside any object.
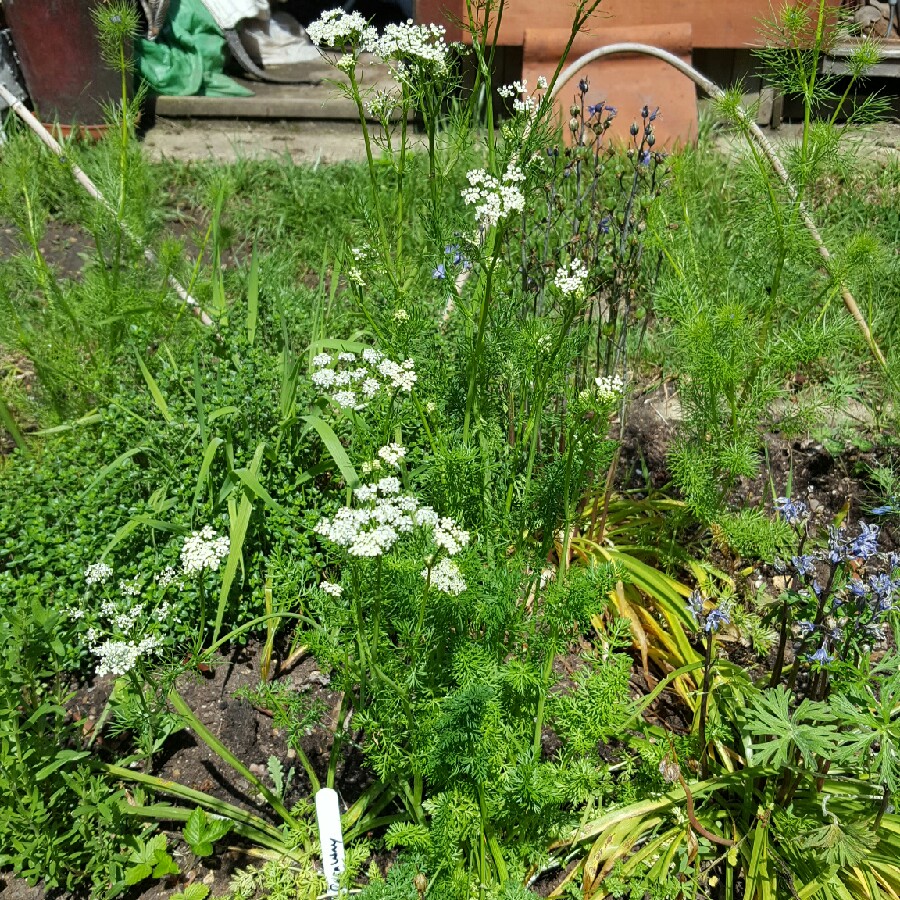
{"x":570,"y":279}
{"x":392,"y":454}
{"x":376,"y":374}
{"x":119,"y":657}
{"x":494,"y":200}
{"x":204,"y":549}
{"x":446,"y":577}
{"x":387,"y":516}
{"x":609,"y":387}
{"x":336,"y":28}
{"x":333,"y":590}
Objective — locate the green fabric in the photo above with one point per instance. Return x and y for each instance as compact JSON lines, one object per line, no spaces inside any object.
{"x":188,"y":57}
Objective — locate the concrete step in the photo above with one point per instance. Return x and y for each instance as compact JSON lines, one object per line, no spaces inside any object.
{"x":314,"y":95}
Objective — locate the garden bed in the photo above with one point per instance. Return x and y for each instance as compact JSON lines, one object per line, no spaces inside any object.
{"x":535,"y":495}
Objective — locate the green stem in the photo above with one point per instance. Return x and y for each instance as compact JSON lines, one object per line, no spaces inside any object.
{"x":704,"y":702}
{"x":199,"y":798}
{"x":373,"y":179}
{"x":401,"y":170}
{"x":227,"y":756}
{"x":338,"y":740}
{"x":475,"y":365}
{"x":542,"y":697}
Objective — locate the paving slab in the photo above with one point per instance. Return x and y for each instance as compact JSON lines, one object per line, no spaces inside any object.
{"x":227,"y":141}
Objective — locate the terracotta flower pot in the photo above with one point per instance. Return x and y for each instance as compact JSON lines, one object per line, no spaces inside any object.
{"x":65,"y":74}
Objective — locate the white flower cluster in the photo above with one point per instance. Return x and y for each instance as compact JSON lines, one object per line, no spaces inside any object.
{"x":494,"y":200}
{"x":204,"y":549}
{"x":336,"y":28}
{"x":374,"y":529}
{"x":570,"y":279}
{"x":119,"y":657}
{"x":166,"y":577}
{"x":392,"y":454}
{"x":359,"y":379}
{"x":609,"y":387}
{"x":419,"y":49}
{"x":98,"y":573}
{"x":446,"y":577}
{"x":522,"y":101}
{"x":130,"y":588}
{"x":333,"y":590}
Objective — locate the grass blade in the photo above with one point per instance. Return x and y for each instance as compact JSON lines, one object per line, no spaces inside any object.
{"x":198,"y":398}
{"x":253,"y":484}
{"x":334,"y":448}
{"x":115,"y":464}
{"x":132,"y":526}
{"x":9,"y":423}
{"x":208,"y":455}
{"x":154,"y":390}
{"x":239,"y":520}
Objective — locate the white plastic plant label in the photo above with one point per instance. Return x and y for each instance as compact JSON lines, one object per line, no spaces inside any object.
{"x":331,"y":839}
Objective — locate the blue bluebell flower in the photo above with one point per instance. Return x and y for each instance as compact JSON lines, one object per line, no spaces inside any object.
{"x":695,"y":603}
{"x":654,"y":114}
{"x":804,"y":564}
{"x":645,"y":158}
{"x":604,"y":225}
{"x":806,"y":627}
{"x":817,"y":588}
{"x":440,"y":271}
{"x":882,"y":585}
{"x":857,"y":587}
{"x":884,"y":510}
{"x":583,"y":85}
{"x":865,"y":544}
{"x":820,"y":656}
{"x":893,"y":560}
{"x":792,"y":511}
{"x":716,"y":619}
{"x":837,"y":544}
